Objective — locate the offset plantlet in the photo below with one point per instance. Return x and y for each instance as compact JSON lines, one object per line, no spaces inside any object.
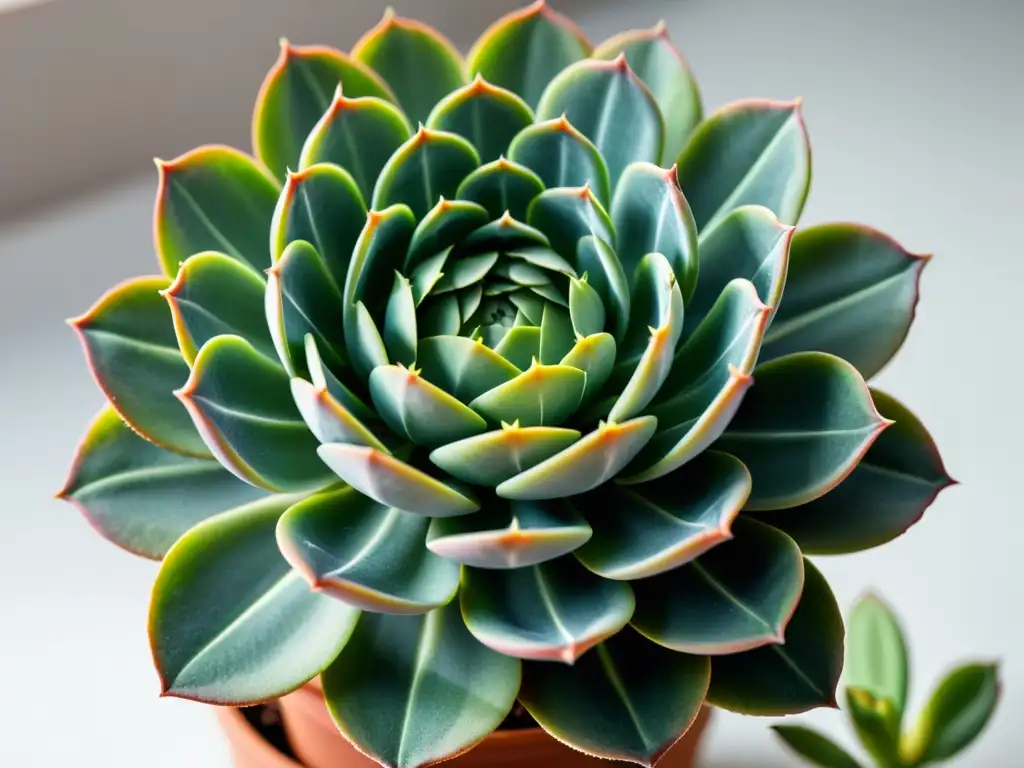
{"x":878,"y":678}
{"x":501,"y":378}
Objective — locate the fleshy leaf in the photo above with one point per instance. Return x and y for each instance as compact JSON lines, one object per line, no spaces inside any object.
{"x":446,"y":224}
{"x":213,"y":199}
{"x":493,"y":457}
{"x":231,"y":622}
{"x":524,"y":50}
{"x":651,"y":215}
{"x":141,"y":497}
{"x":132,"y":352}
{"x":738,"y":596}
{"x":802,"y":428}
{"x":400,"y":322}
{"x":487,"y":115}
{"x":643,"y":530}
{"x":393,"y":483}
{"x":565,"y":215}
{"x":297,"y":92}
{"x":876,"y":653}
{"x":850,"y":291}
{"x":213,"y":294}
{"x":556,"y":335}
{"x":814,"y":747}
{"x":419,"y":411}
{"x":371,"y":556}
{"x":501,"y":186}
{"x":417,"y":61}
{"x":595,"y":356}
{"x":792,"y":678}
{"x":612,"y":107}
{"x":585,"y":308}
{"x":658,"y":63}
{"x":604,"y":271}
{"x":462,"y":367}
{"x":562,"y":157}
{"x":543,"y":395}
{"x":628,"y":699}
{"x":876,"y":723}
{"x":242,"y":406}
{"x":554,"y":611}
{"x":897,"y":480}
{"x":751,"y":152}
{"x":584,"y":465}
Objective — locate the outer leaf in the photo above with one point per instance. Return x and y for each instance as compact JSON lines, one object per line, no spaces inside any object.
{"x":876,"y":656}
{"x":501,"y":186}
{"x":543,"y":395}
{"x":814,"y":747}
{"x":132,"y":351}
{"x":213,"y":294}
{"x":419,"y":411}
{"x":750,"y":152}
{"x":525,"y":49}
{"x":493,"y":457}
{"x":562,"y":157}
{"x":369,"y":555}
{"x":792,"y":678}
{"x":889,"y":490}
{"x":851,"y":291}
{"x":417,"y":61}
{"x":359,"y":135}
{"x":487,"y":115}
{"x":213,"y":199}
{"x":612,"y":107}
{"x":643,"y":530}
{"x":627,"y":700}
{"x":736,"y":597}
{"x":231,"y":623}
{"x":555,"y":611}
{"x":463,"y":367}
{"x":663,"y":70}
{"x":651,"y":215}
{"x":802,"y":428}
{"x":241,"y":404}
{"x":141,"y":497}
{"x":410,"y":691}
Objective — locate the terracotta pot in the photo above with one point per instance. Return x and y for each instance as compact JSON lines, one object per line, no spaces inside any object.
{"x":318,"y":744}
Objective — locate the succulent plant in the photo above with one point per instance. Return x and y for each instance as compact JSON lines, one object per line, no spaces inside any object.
{"x":476,"y":383}
{"x":877,"y":684}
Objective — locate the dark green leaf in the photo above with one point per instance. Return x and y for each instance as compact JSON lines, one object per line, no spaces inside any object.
{"x":814,"y":747}
{"x":501,"y":186}
{"x":562,"y":157}
{"x":487,"y":115}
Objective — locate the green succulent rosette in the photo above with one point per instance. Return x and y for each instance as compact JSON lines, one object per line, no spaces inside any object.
{"x":478,"y":383}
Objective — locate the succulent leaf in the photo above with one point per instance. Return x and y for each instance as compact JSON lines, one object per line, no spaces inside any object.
{"x":487,"y":115}
{"x":628,"y":699}
{"x":647,"y":529}
{"x":751,"y":152}
{"x":132,"y":352}
{"x":297,"y":92}
{"x":419,"y":411}
{"x":542,"y":395}
{"x":412,"y":690}
{"x":877,"y":724}
{"x":493,"y":457}
{"x":604,"y":272}
{"x":850,"y":291}
{"x":446,"y":224}
{"x":463,"y":367}
{"x":417,"y":61}
{"x":792,"y":678}
{"x":554,"y":611}
{"x":657,"y":62}
{"x":876,"y":653}
{"x":141,"y":497}
{"x":501,"y":186}
{"x":586,"y":310}
{"x":595,"y":356}
{"x":231,"y":622}
{"x":400,"y":322}
{"x":802,"y":428}
{"x":814,"y":747}
{"x":735,"y":597}
{"x":213,"y":198}
{"x":370,"y":556}
{"x":565,"y":215}
{"x":561,"y":156}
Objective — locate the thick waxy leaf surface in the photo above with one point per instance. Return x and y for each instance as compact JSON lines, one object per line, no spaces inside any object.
{"x":565,"y":215}
{"x":851,"y":291}
{"x":431,"y":164}
{"x":447,"y":223}
{"x":493,"y":457}
{"x":369,"y":555}
{"x":213,"y":294}
{"x":750,"y":243}
{"x":604,"y":272}
{"x":609,"y":104}
{"x":400,"y":322}
{"x":814,"y":747}
{"x":463,"y":367}
{"x":419,"y":411}
{"x":792,"y":678}
{"x":132,"y":351}
{"x":420,"y":65}
{"x":331,"y":417}
{"x":141,"y":497}
{"x":543,"y":395}
{"x":584,"y":465}
{"x":242,"y":406}
{"x":213,"y":199}
{"x":296,"y":94}
{"x":487,"y":115}
{"x":359,"y":135}
{"x":586,"y":309}
{"x":889,"y":490}
{"x":555,"y":611}
{"x":509,"y":534}
{"x":802,"y":428}
{"x":524,"y":50}
{"x":595,"y":356}
{"x":643,"y":530}
{"x":501,"y":186}
{"x":876,"y":655}
{"x":393,"y":483}
{"x":735,"y":597}
{"x":628,"y":699}
{"x":410,"y":691}
{"x":662,"y":69}
{"x":752,"y":152}
{"x":231,"y":622}
{"x":562,"y":157}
